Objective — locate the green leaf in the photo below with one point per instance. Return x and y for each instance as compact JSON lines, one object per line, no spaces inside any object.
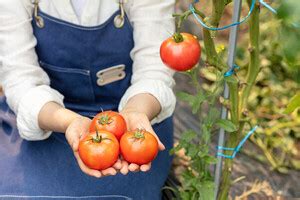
{"x":231,"y":79}
{"x":210,"y":159}
{"x":205,"y":134}
{"x":192,"y":150}
{"x":206,"y":190}
{"x":203,"y":152}
{"x":227,"y":125}
{"x":175,"y":149}
{"x":185,"y":96}
{"x":188,"y":135}
{"x":198,"y":100}
{"x":213,"y":115}
{"x":293,"y":104}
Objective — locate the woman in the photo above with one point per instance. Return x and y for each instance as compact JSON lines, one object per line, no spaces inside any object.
{"x":58,"y":70}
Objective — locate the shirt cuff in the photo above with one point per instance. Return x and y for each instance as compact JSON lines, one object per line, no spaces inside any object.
{"x":159,"y":90}
{"x":29,"y":108}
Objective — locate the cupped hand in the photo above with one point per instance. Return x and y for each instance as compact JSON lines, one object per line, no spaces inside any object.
{"x":137,"y":120}
{"x":77,"y":129}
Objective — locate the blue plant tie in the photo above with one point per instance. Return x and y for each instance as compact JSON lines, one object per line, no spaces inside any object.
{"x":192,"y":9}
{"x":295,"y":25}
{"x":262,"y":2}
{"x":231,"y":71}
{"x":267,"y":6}
{"x":238,"y":147}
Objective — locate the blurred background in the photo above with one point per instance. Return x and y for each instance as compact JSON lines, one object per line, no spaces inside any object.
{"x":268,"y":166}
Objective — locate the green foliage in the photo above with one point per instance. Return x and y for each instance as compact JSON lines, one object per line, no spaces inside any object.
{"x":197,"y":180}
{"x":277,"y":85}
{"x":293,"y":104}
{"x":227,"y":125}
{"x":194,"y":101}
{"x":274,"y":62}
{"x":288,"y":13}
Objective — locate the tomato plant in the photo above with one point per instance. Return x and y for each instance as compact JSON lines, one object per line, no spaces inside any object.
{"x":180,"y":52}
{"x":110,"y":121}
{"x":138,"y":146}
{"x":99,"y":150}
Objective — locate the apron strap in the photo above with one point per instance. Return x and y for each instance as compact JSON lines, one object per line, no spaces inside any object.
{"x":38,"y":19}
{"x":119,"y":19}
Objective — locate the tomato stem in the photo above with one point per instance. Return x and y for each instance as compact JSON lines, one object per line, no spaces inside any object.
{"x":97,"y":135}
{"x":138,"y":134}
{"x":97,"y":139}
{"x":105,"y":120}
{"x":177,"y":37}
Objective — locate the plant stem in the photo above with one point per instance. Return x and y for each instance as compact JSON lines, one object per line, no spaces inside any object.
{"x":212,"y":57}
{"x":231,"y":142}
{"x":182,"y":17}
{"x":217,"y":10}
{"x":236,"y":105}
{"x":254,"y":65}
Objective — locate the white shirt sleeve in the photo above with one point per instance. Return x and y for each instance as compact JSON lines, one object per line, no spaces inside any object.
{"x":25,"y":84}
{"x":152,"y":23}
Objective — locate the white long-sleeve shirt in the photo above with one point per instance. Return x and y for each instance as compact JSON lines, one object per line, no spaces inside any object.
{"x":26,"y":85}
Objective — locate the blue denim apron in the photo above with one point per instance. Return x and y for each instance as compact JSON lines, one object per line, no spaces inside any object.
{"x":72,"y":55}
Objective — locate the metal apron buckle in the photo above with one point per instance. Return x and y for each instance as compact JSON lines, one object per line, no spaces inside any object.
{"x":119,"y":19}
{"x":110,"y":75}
{"x":39,"y":20}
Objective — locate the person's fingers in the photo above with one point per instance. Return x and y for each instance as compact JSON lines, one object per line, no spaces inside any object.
{"x":145,"y":167}
{"x":85,"y":169}
{"x":72,"y":137}
{"x":109,"y":171}
{"x":161,"y":146}
{"x":133,"y":167}
{"x":124,"y":169}
{"x":118,"y":165}
{"x":75,"y":145}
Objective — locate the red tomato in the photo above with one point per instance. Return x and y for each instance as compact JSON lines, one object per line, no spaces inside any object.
{"x":138,"y":146}
{"x":180,"y":52}
{"x":99,"y":150}
{"x":110,"y":121}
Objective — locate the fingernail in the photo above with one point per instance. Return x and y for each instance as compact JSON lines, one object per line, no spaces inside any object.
{"x":143,"y":169}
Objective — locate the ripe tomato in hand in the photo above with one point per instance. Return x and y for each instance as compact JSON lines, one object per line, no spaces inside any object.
{"x":180,"y":52}
{"x":110,"y":121}
{"x":99,"y":150}
{"x":139,"y":147}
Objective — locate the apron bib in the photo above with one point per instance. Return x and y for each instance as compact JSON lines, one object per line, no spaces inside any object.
{"x":81,"y":63}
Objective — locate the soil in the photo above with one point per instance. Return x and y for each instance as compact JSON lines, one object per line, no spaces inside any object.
{"x":276,"y":186}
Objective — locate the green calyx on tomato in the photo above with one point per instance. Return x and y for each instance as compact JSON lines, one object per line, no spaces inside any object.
{"x":97,"y":138}
{"x":105,"y":119}
{"x":177,"y":37}
{"x":139,"y":134}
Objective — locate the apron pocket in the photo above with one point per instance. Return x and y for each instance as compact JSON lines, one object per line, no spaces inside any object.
{"x":75,"y":84}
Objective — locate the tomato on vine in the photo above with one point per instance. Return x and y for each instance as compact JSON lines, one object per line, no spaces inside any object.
{"x":99,"y":150}
{"x":139,"y":147}
{"x":110,"y":121}
{"x":180,"y":52}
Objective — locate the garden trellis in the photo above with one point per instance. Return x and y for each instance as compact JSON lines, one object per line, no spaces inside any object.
{"x":229,"y":74}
